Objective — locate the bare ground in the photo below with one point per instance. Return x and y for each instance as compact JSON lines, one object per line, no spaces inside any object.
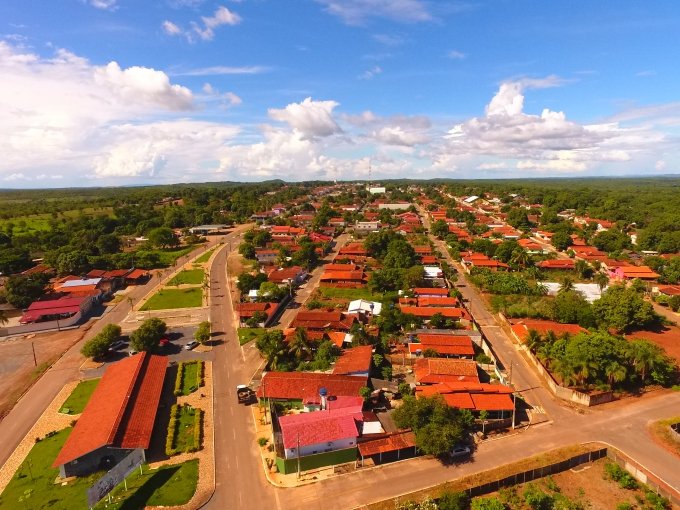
{"x":17,"y":368}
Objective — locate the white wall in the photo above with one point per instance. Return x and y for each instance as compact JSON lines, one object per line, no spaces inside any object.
{"x":327,"y":446}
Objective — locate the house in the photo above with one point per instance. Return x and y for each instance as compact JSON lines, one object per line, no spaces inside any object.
{"x":428,"y":312}
{"x":482,"y":261}
{"x":304,"y":387}
{"x":266,"y":256}
{"x":66,"y":311}
{"x":667,"y":290}
{"x":561,"y":264}
{"x":532,"y":247}
{"x":394,"y":446}
{"x":344,"y":278}
{"x":430,"y":292}
{"x":445,"y":345}
{"x":632,"y":272}
{"x":426,"y":301}
{"x":79,"y":286}
{"x":366,"y":308}
{"x":246,"y":311}
{"x":206,"y":230}
{"x":437,"y":370}
{"x":340,"y":339}
{"x":355,"y":362}
{"x":288,"y":275}
{"x":395,"y":206}
{"x":366,"y":226}
{"x":470,"y":199}
{"x":319,"y":432}
{"x":137,"y":277}
{"x":376,"y":190}
{"x":495,"y":399}
{"x":118,"y":418}
{"x":323,"y":320}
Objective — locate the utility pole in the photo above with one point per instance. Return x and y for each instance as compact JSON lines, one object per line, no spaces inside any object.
{"x":514,"y":408}
{"x":35,"y":361}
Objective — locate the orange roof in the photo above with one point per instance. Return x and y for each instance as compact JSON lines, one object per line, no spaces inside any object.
{"x":340,"y":267}
{"x":638,"y":272}
{"x":437,"y":301}
{"x":426,"y":291}
{"x":354,"y":360}
{"x":428,"y":312}
{"x":393,"y":442}
{"x":459,"y":400}
{"x":442,"y":350}
{"x":434,"y":370}
{"x":492,"y":402}
{"x":121,"y":411}
{"x":306,"y":385}
{"x":557,"y":264}
{"x":358,"y":276}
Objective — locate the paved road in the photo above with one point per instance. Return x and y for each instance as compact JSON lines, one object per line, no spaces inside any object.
{"x":26,"y":412}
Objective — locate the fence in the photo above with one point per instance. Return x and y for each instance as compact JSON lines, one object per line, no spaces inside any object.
{"x":643,"y":475}
{"x":534,"y":474}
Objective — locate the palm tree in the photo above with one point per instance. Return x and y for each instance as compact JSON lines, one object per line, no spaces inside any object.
{"x":3,"y":318}
{"x":299,"y":345}
{"x":533,"y":340}
{"x":602,"y":280}
{"x":583,"y":268}
{"x":566,"y":285}
{"x":615,"y":373}
{"x":645,"y":356}
{"x":520,"y":257}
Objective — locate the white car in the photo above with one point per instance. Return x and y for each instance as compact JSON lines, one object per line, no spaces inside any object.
{"x":191,"y":345}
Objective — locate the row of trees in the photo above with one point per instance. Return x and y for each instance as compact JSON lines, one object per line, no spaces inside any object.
{"x":601,"y":359}
{"x":299,"y":354}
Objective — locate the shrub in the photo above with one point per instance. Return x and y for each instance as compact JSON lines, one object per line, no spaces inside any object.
{"x":657,"y":502}
{"x":178,"y":380}
{"x":454,"y":501}
{"x":198,"y":430}
{"x":624,"y":506}
{"x":262,"y":441}
{"x":620,"y":475}
{"x":172,"y":431}
{"x":200,"y":374}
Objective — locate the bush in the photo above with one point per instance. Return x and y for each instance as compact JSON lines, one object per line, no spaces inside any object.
{"x":657,"y":502}
{"x":198,"y":430}
{"x":178,"y":380}
{"x":200,"y":374}
{"x":172,"y":430}
{"x":454,"y":501}
{"x":262,"y":441}
{"x":624,"y":506}
{"x":620,"y":475}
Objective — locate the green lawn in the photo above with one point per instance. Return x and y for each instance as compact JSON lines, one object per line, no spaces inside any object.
{"x":184,"y":435}
{"x":79,"y":397}
{"x":204,"y":258}
{"x":352,"y":294}
{"x":174,"y":298}
{"x":189,"y":381}
{"x":41,"y":222}
{"x":169,"y":255}
{"x":188,"y":276}
{"x":245,"y":335}
{"x":34,"y":481}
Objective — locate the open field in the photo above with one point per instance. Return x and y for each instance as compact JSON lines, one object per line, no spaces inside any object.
{"x":167,"y":299}
{"x":79,"y":397}
{"x":41,"y":222}
{"x":169,"y":255}
{"x":188,"y":277}
{"x":32,"y":486}
{"x":667,"y":337}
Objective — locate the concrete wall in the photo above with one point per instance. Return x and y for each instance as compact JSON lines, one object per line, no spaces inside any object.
{"x":92,"y":462}
{"x":34,"y":327}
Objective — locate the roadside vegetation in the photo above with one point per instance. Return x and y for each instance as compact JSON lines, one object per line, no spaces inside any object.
{"x":167,"y":299}
{"x":79,"y":397}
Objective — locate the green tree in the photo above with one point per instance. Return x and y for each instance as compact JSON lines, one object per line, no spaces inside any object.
{"x":437,"y":426}
{"x":148,"y":334}
{"x":247,"y":250}
{"x":162,"y":237}
{"x":72,"y":262}
{"x":202,"y":334}
{"x":453,"y":501}
{"x":21,"y":291}
{"x":623,"y":309}
{"x":247,"y":281}
{"x":273,"y":349}
{"x":561,"y":240}
{"x":98,"y":346}
{"x":440,"y":229}
{"x":326,"y":353}
{"x":14,"y":260}
{"x":602,"y":280}
{"x":108,"y":243}
{"x":486,"y":504}
{"x":299,"y":346}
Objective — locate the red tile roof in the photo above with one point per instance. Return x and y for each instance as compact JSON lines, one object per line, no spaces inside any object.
{"x":340,"y":267}
{"x":391,"y":443}
{"x":438,"y":301}
{"x":428,"y":312}
{"x":136,"y":274}
{"x":459,"y":400}
{"x":306,"y":385}
{"x":557,"y":264}
{"x":122,"y":409}
{"x":424,"y":291}
{"x":306,"y":429}
{"x":354,"y":360}
{"x":492,"y":402}
{"x":346,"y":276}
{"x":435,"y":370}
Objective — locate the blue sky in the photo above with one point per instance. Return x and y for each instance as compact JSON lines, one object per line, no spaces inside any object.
{"x":110,"y":92}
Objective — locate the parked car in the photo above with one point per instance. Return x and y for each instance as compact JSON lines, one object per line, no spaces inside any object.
{"x":460,"y":451}
{"x":191,"y":345}
{"x":243,"y":393}
{"x":163,"y":343}
{"x":117,"y":345}
{"x":132,"y":352}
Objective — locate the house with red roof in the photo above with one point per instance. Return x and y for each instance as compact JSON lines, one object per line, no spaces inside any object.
{"x":557,"y":264}
{"x":426,"y":313}
{"x":355,"y":362}
{"x":430,"y":292}
{"x":343,"y":278}
{"x":67,"y":309}
{"x":445,"y":345}
{"x":287,"y":275}
{"x":247,"y":311}
{"x":304,"y":387}
{"x":629,"y":272}
{"x":437,"y":370}
{"x":495,"y":399}
{"x":118,"y":418}
{"x":323,"y":320}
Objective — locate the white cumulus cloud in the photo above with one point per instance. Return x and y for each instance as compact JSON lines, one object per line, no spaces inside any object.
{"x":311,"y":118}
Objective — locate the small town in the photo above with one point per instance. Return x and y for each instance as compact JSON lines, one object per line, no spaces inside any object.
{"x":409,"y":337}
{"x":339,"y":255}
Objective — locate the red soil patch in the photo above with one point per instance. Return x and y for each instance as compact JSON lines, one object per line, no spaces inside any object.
{"x":667,"y":337}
